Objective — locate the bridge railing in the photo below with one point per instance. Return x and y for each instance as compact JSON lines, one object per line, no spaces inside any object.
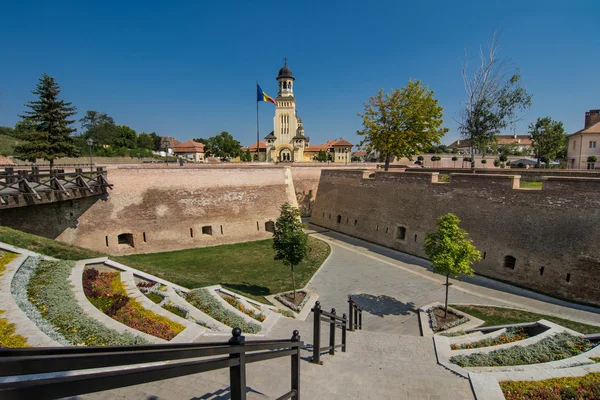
{"x":28,"y":182}
{"x":51,"y":373}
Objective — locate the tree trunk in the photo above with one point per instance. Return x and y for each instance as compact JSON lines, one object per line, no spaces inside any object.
{"x":51,"y":164}
{"x":473,"y":159}
{"x":387,"y":162}
{"x":446,"y":303}
{"x":293,"y":282}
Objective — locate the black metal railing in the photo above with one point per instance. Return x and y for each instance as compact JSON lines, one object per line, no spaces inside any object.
{"x":334,"y":321}
{"x":69,"y":371}
{"x":355,"y":315}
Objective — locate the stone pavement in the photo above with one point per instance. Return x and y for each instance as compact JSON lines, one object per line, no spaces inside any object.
{"x":387,"y":360}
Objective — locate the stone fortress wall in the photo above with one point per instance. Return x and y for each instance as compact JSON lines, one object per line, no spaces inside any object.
{"x":552,"y":233}
{"x":163,"y":209}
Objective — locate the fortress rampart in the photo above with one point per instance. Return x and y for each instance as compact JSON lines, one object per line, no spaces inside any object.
{"x":162,"y":209}
{"x":546,"y":240}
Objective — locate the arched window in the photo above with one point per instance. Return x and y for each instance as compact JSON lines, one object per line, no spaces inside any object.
{"x":125,"y":238}
{"x":510,"y":262}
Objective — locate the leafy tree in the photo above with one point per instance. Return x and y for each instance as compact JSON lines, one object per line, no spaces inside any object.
{"x":548,"y":138}
{"x":503,"y":158}
{"x":494,"y":96}
{"x":402,"y":123}
{"x":126,"y":137}
{"x":93,"y":119}
{"x":484,"y":161}
{"x":247,"y":155}
{"x":104,"y":135}
{"x":321,"y":156}
{"x":289,"y":240}
{"x":8,"y":131}
{"x":450,"y":251}
{"x":51,"y":138}
{"x":145,"y":141}
{"x":223,"y":145}
{"x":592,"y":160}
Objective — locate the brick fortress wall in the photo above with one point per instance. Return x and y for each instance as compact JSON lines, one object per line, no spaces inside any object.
{"x":552,"y":233}
{"x":165,"y":209}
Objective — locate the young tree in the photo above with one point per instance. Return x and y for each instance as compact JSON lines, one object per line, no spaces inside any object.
{"x":402,"y":123}
{"x":450,"y":251}
{"x":51,"y":138}
{"x":493,"y":97}
{"x":289,"y":240}
{"x":321,"y":156}
{"x":454,"y":160}
{"x":548,"y":137}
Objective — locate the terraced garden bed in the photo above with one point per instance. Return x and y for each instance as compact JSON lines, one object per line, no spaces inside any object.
{"x":107,"y":293}
{"x":43,"y":292}
{"x":585,"y":387}
{"x":8,"y":337}
{"x":260,"y":317}
{"x":205,"y":302}
{"x":553,"y":348}
{"x":511,"y":335}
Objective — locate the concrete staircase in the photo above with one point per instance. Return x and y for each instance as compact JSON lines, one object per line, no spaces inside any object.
{"x":377,"y":366}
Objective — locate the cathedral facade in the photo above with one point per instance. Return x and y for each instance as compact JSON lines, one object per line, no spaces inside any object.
{"x":287,"y":142}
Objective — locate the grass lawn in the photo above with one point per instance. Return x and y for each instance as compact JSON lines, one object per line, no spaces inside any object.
{"x":48,"y":247}
{"x":246,"y":268}
{"x":531,"y":185}
{"x":503,"y":316}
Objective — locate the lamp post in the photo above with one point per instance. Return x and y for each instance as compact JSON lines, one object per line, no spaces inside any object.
{"x":346,"y":155}
{"x":90,"y":142}
{"x":166,"y":144}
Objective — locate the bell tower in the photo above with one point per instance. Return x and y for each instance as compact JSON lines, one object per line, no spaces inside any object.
{"x":285,"y":79}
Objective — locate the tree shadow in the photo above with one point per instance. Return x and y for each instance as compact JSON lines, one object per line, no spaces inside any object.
{"x":383,"y":305}
{"x":248,"y":288}
{"x":222,"y":394}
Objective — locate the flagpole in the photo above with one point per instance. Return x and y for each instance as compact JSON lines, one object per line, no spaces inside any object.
{"x":257,"y":142}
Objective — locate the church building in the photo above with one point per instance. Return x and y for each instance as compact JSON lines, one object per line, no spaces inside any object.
{"x":287,"y":142}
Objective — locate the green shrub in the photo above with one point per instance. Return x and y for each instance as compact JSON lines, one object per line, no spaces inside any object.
{"x":205,"y":302}
{"x":557,"y":347}
{"x":51,"y":293}
{"x":175,"y":310}
{"x":154,"y":297}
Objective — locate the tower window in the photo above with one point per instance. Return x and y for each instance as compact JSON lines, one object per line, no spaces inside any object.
{"x":270,"y":226}
{"x":541,"y":271}
{"x":207,"y":230}
{"x":510,"y":262}
{"x":339,"y":219}
{"x":568,"y":277}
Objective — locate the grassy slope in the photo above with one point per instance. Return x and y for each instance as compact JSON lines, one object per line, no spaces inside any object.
{"x":503,"y":316}
{"x":45,"y":246}
{"x":248,"y":268}
{"x":7,"y":143}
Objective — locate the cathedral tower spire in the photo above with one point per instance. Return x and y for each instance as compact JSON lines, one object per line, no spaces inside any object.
{"x":285,"y":80}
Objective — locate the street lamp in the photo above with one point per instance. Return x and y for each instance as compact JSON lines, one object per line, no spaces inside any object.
{"x":166,"y":144}
{"x":90,"y":142}
{"x":346,"y":155}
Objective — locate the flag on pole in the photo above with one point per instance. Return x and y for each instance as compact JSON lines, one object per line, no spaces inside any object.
{"x":262,"y":96}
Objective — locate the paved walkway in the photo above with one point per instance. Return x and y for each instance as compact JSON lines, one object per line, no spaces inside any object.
{"x":387,"y":360}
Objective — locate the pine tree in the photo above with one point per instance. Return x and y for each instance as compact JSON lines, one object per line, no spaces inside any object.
{"x":51,"y":138}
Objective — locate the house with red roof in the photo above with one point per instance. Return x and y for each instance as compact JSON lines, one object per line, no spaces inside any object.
{"x":190,"y":150}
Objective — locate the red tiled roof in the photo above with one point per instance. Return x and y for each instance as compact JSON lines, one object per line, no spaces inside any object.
{"x":261,"y":145}
{"x":595,"y":128}
{"x":189,"y":146}
{"x":342,"y":142}
{"x":318,"y":147}
{"x":359,"y":153}
{"x":501,"y":139}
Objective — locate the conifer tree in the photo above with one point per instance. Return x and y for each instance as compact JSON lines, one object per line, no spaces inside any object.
{"x":51,"y":138}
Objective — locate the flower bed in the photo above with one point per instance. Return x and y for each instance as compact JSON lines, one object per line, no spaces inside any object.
{"x":511,"y":335}
{"x":260,"y":317}
{"x":42,"y":290}
{"x":557,"y":347}
{"x":438,"y":324}
{"x":205,"y":302}
{"x":176,"y":309}
{"x":585,"y":387}
{"x":107,"y":293}
{"x":8,"y":338}
{"x":282,"y":298}
{"x":286,"y":313}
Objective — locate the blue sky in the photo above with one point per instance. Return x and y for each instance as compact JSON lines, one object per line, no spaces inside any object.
{"x":188,"y":69}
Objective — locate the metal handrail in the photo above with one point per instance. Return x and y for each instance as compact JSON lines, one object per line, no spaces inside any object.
{"x":46,"y":362}
{"x":355,"y":315}
{"x":334,"y":321}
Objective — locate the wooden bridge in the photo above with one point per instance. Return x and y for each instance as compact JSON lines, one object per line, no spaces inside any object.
{"x":27,"y":187}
